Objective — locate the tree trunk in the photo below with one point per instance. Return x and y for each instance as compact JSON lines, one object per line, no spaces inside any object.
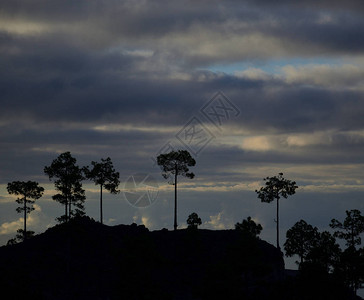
{"x":25,"y":219}
{"x":68,"y":199}
{"x":68,"y":206}
{"x":101,"y":203}
{"x":66,"y":210}
{"x":278,"y":224}
{"x":175,"y":200}
{"x":69,"y":210}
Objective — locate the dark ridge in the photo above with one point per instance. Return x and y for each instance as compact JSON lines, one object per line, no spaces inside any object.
{"x":84,"y":259}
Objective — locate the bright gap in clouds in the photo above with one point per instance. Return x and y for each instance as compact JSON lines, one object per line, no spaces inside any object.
{"x":273,"y":66}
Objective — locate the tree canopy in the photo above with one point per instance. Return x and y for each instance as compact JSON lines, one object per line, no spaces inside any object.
{"x":326,"y":252}
{"x":301,"y":238}
{"x":176,"y":163}
{"x":276,"y":187}
{"x":351,"y":228}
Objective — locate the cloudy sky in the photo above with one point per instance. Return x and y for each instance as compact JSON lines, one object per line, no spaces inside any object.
{"x":268,"y":87}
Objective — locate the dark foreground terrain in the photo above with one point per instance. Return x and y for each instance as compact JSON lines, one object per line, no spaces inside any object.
{"x":87,"y":260}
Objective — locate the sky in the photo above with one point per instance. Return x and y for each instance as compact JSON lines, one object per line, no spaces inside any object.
{"x":249,"y":88}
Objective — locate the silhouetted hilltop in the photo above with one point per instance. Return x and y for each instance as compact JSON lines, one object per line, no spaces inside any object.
{"x":87,"y":260}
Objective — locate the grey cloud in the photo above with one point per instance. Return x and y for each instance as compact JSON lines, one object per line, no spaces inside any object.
{"x":355,"y":5}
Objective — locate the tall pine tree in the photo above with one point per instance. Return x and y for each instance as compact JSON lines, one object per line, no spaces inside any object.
{"x":29,"y":192}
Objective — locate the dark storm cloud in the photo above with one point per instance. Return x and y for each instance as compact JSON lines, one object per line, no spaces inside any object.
{"x":339,"y":35}
{"x":290,"y":109}
{"x":24,"y":154}
{"x":184,"y":29}
{"x":94,"y":95}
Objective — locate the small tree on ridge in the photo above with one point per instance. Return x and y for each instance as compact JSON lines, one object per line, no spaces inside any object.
{"x":193,"y":221}
{"x":249,"y":227}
